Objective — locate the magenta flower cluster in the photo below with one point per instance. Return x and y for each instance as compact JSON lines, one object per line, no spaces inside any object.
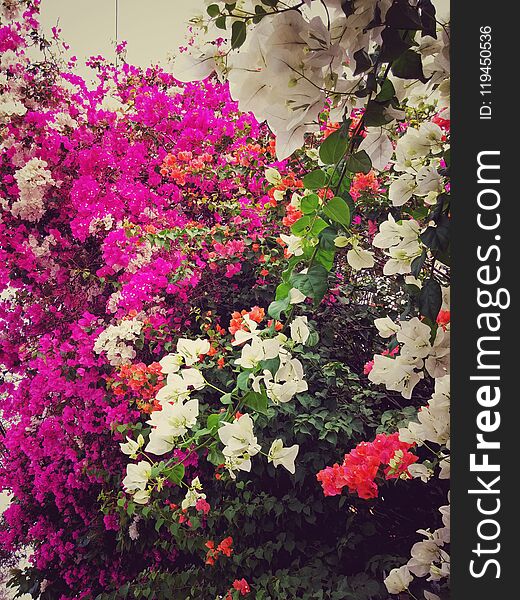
{"x":103,"y":220}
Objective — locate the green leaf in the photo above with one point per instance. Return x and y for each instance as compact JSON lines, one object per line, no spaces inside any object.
{"x":417,"y":264}
{"x":243,"y":380}
{"x":338,"y":210}
{"x":375,"y":114}
{"x":301,"y":225}
{"x":282,"y":291}
{"x":363,"y":62}
{"x":387,"y":91}
{"x":238,"y":34}
{"x":436,"y":238}
{"x":430,"y":299}
{"x":256,"y":401}
{"x":333,"y":148}
{"x":327,"y":237}
{"x":325,"y":258}
{"x":213,"y":10}
{"x":318,"y":226}
{"x":215,"y":456}
{"x":403,"y":16}
{"x":359,"y":162}
{"x":159,"y":523}
{"x":270,"y":364}
{"x":220,"y":22}
{"x":393,"y":44}
{"x":318,"y":278}
{"x":409,"y":66}
{"x":214,"y":420}
{"x":277,"y":307}
{"x":175,"y":474}
{"x":315,"y":179}
{"x":226,"y":399}
{"x":309,"y":204}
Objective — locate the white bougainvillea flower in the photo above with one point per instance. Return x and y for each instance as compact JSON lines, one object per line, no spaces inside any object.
{"x":378,"y":146}
{"x":131,"y":447}
{"x":237,"y":463}
{"x":141,"y":496}
{"x":191,"y":350}
{"x":195,"y":66}
{"x":273,"y":176}
{"x":398,"y":580}
{"x":271,"y":348}
{"x":438,"y":362}
{"x":415,"y":337}
{"x":280,"y":393}
{"x":386,"y":327}
{"x":420,"y":471}
{"x":431,"y":137}
{"x":401,"y":257}
{"x":242,"y":336}
{"x":433,"y":419}
{"x":137,"y":476}
{"x":193,"y":495}
{"x":402,"y":189}
{"x":291,"y":370}
{"x":193,"y":378}
{"x":171,"y":363}
{"x":296,"y":297}
{"x":358,"y":258}
{"x":398,"y":374}
{"x":279,"y":455}
{"x":252,"y":354}
{"x":175,"y":389}
{"x":300,"y":331}
{"x":238,"y":437}
{"x":428,"y":181}
{"x":170,"y":423}
{"x":294,"y":244}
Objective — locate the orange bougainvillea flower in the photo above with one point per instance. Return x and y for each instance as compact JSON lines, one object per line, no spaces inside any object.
{"x":256,"y":314}
{"x":226,"y":546}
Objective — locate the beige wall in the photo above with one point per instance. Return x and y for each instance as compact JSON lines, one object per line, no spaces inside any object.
{"x":151,"y":27}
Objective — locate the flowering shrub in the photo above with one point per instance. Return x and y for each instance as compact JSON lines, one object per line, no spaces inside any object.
{"x":187,"y":321}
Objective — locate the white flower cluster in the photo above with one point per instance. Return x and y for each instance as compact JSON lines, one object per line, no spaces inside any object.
{"x":10,"y":9}
{"x":428,"y":557}
{"x":401,"y":241}
{"x":136,"y":481}
{"x":179,"y":412}
{"x":12,"y":86}
{"x":115,"y":341}
{"x":403,"y":373}
{"x":291,"y":63}
{"x":282,"y":385}
{"x":419,"y":169}
{"x":32,"y":179}
{"x":10,"y":106}
{"x":240,"y":444}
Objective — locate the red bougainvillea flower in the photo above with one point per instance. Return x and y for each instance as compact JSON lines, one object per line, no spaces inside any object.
{"x":242,"y":586}
{"x":362,"y":464}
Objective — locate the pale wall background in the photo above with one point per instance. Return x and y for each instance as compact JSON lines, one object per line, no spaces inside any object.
{"x":152,"y":28}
